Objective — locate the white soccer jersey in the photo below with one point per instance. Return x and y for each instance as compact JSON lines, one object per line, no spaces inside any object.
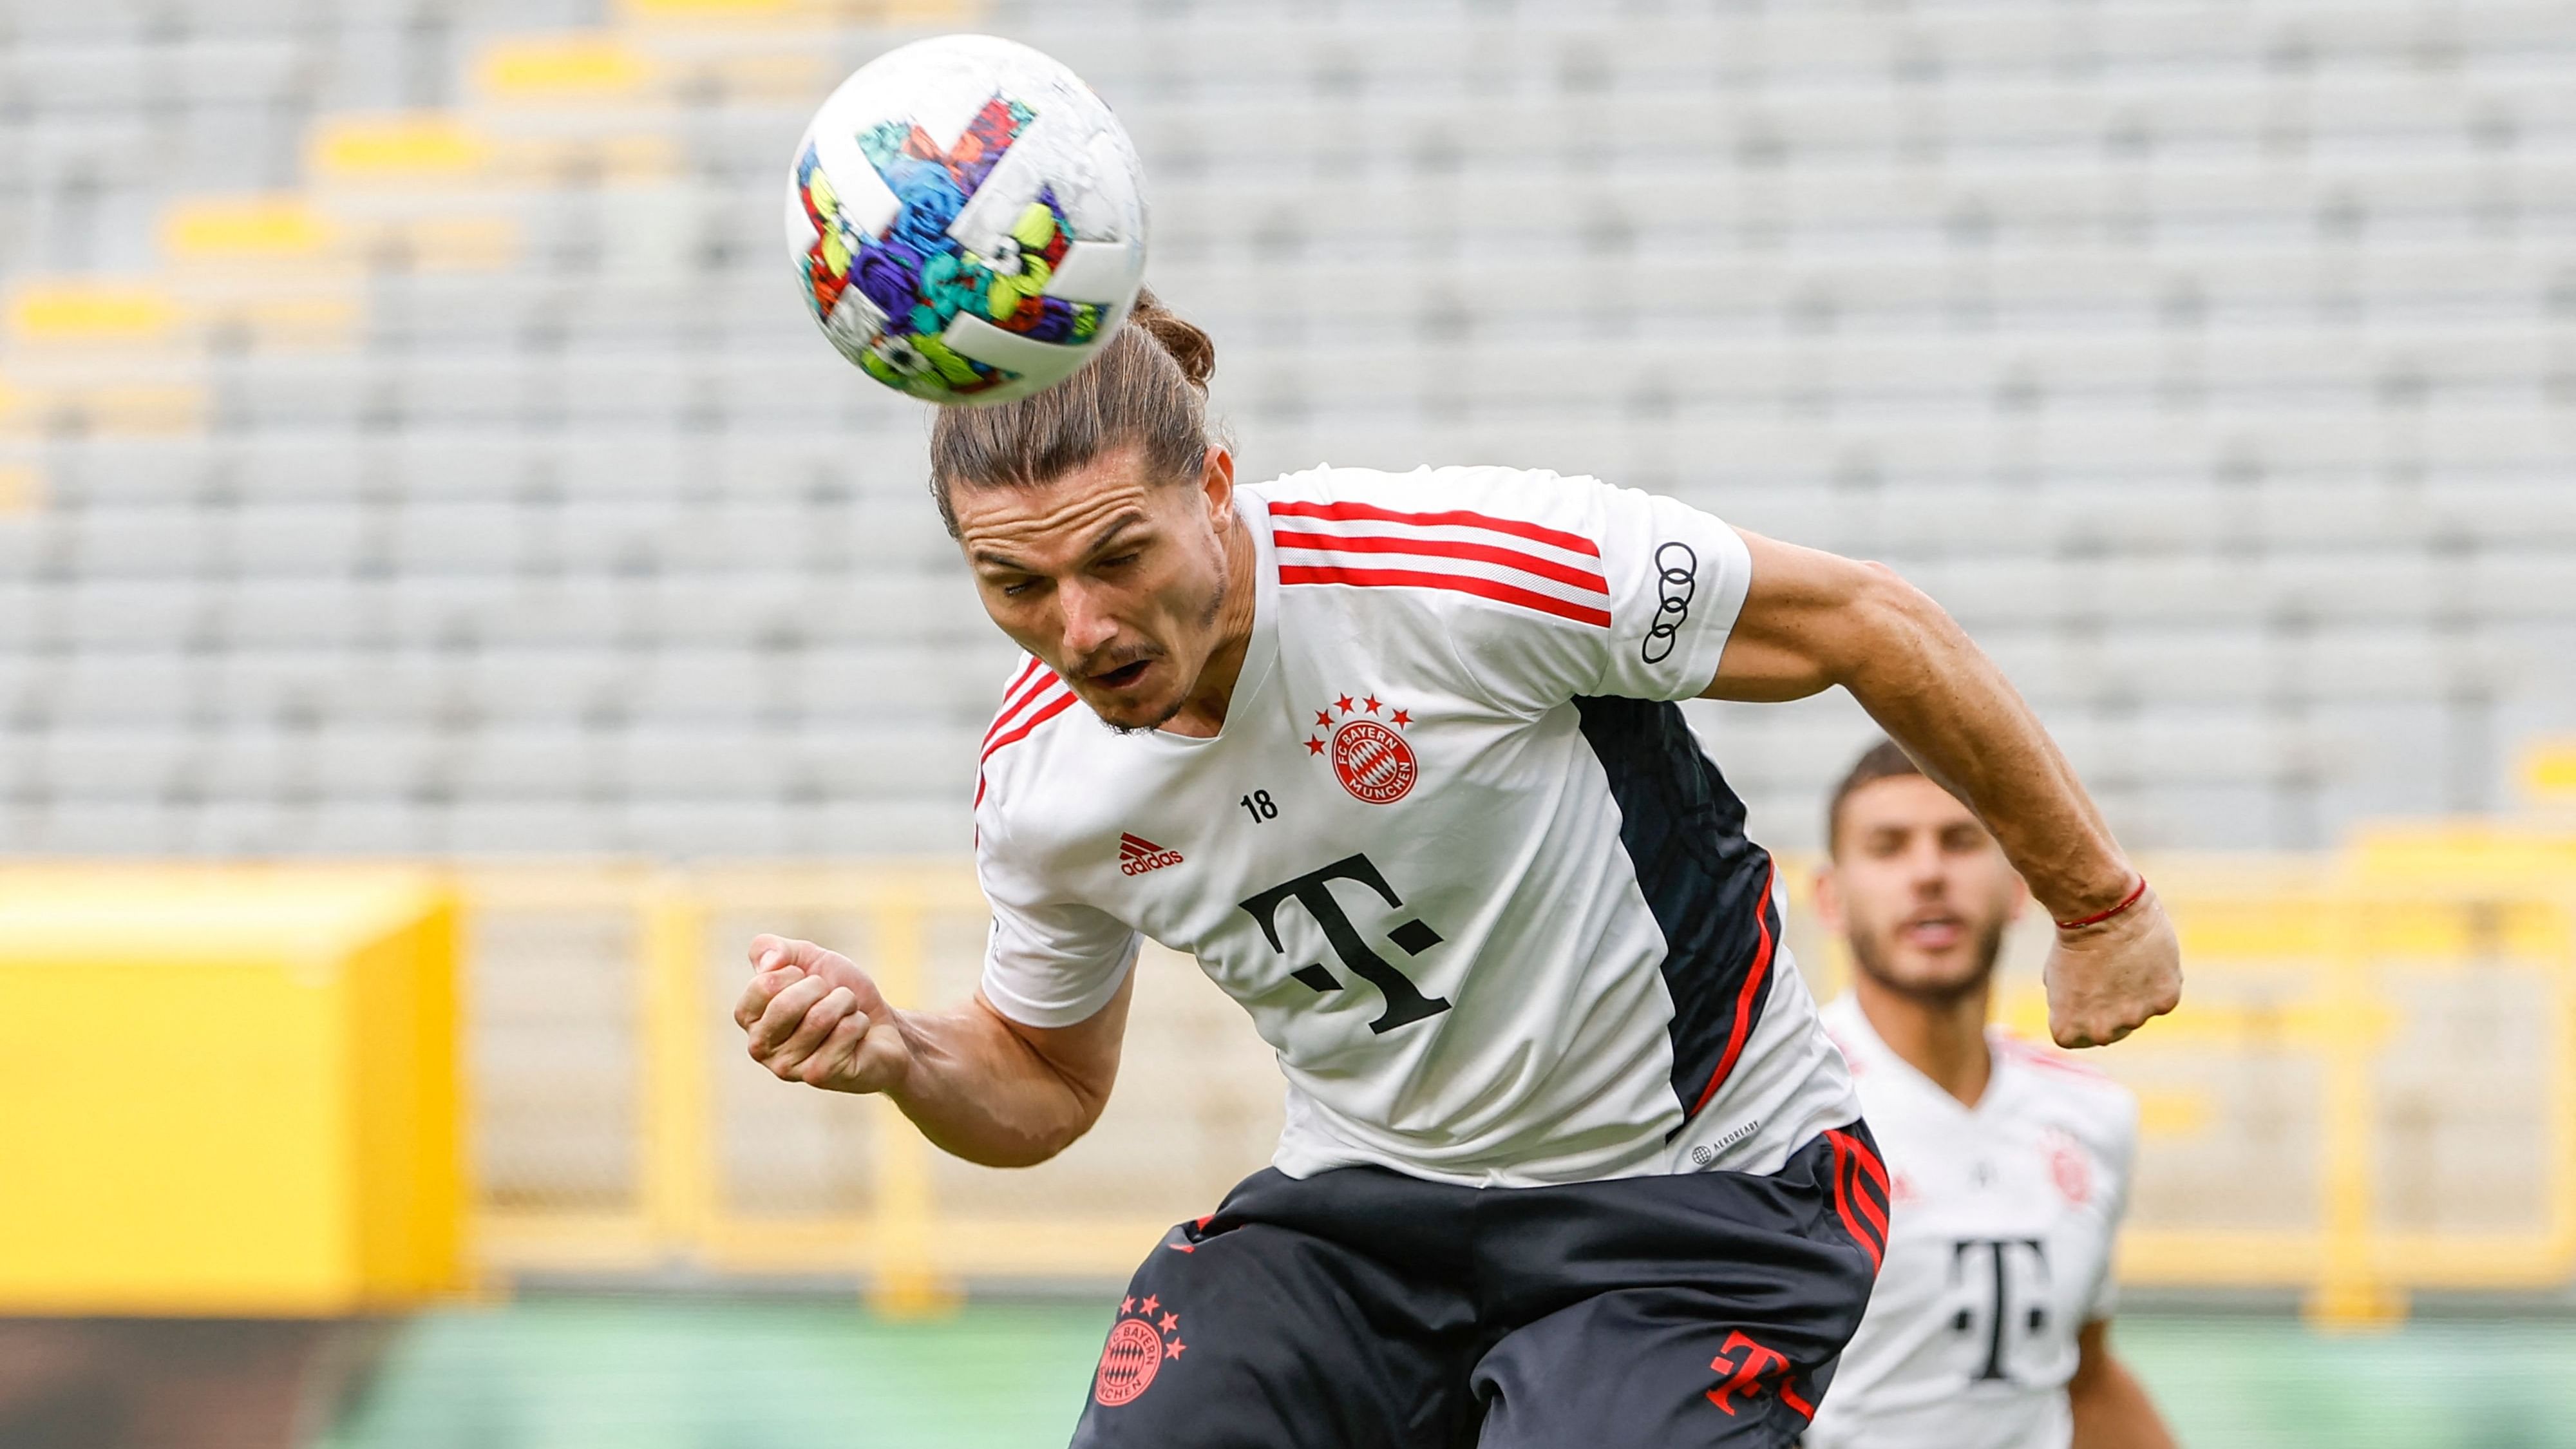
{"x":1454,"y":851}
{"x":1999,"y":1252}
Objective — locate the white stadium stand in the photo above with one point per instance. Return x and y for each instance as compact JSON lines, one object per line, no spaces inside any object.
{"x":2216,"y":363}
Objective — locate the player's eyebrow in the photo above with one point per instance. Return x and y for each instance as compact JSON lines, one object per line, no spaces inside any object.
{"x":1108,"y":534}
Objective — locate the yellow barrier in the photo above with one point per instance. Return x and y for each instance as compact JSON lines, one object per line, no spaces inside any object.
{"x":227,"y":1091}
{"x":2370,"y":1091}
{"x":676,"y":1210}
{"x":2354,"y":978}
{"x":2323,"y":1050}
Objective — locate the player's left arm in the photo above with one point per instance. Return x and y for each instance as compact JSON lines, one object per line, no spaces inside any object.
{"x":1813,"y":620}
{"x":2112,"y":1410}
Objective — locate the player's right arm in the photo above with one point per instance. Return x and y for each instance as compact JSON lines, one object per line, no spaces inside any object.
{"x":1813,"y":620}
{"x":979,"y":1085}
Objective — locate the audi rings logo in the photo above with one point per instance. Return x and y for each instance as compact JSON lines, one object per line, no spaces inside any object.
{"x":1676,"y":580}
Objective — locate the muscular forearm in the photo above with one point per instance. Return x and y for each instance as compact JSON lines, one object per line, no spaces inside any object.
{"x":1937,"y":694}
{"x":985,"y":1088}
{"x":1811,"y":621}
{"x":979,"y":1091}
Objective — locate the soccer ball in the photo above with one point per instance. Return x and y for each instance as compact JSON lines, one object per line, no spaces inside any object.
{"x":967,"y":220}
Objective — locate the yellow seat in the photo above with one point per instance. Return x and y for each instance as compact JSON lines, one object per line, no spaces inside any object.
{"x":399,"y":147}
{"x":89,"y":310}
{"x":246,"y":229}
{"x":593,"y":65}
{"x":2549,"y":772}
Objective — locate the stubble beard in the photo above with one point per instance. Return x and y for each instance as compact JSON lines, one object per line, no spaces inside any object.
{"x":1990,"y":946}
{"x":1181,"y":698}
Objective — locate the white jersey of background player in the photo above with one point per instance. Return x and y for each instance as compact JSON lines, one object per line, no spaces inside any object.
{"x":2011,"y":1164}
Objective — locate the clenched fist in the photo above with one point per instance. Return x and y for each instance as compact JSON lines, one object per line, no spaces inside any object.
{"x":2107,"y":980}
{"x":813,"y":1016}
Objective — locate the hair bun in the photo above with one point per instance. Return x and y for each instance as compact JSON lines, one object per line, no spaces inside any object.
{"x":1193,"y":349}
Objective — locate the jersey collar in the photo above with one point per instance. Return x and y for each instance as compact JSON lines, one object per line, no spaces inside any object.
{"x":1851,"y":1025}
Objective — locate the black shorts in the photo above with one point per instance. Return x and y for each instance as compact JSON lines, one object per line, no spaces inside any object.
{"x":1361,"y":1309}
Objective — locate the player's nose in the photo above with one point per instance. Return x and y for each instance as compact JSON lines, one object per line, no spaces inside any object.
{"x":1088,"y":625}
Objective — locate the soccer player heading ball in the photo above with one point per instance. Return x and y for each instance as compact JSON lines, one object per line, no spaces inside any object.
{"x":1569,"y":1159}
{"x":1990,"y":1325}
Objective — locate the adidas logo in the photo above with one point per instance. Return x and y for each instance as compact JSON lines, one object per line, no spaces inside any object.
{"x":1137,"y":855}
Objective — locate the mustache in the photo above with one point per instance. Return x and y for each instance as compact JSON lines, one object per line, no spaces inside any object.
{"x":1115,"y":658}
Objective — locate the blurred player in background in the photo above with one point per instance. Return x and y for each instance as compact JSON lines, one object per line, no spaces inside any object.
{"x":1990,"y":1326}
{"x":1568,"y":1158}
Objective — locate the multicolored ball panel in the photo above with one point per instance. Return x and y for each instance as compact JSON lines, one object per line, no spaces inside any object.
{"x":891,"y":299}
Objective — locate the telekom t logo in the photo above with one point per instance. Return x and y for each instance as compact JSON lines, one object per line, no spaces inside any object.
{"x":1405,"y":1003}
{"x":1757,"y":1368}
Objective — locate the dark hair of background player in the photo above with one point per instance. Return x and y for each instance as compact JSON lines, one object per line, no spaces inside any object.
{"x":1147,"y":387}
{"x":1882,"y":761}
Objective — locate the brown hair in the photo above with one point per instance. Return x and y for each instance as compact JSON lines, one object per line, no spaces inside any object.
{"x":1147,"y":387}
{"x":1882,"y":761}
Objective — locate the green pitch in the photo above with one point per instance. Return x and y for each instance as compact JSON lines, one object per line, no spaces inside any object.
{"x":698,"y":1373}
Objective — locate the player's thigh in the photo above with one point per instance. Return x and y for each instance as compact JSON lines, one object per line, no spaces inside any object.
{"x":1658,"y":1368}
{"x":1263,"y":1337}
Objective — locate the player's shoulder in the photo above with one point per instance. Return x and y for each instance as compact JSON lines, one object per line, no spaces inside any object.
{"x":1449,"y":545}
{"x":1031,"y":719}
{"x":1479,"y":493}
{"x":1849,"y":1031}
{"x":2070,"y":1093}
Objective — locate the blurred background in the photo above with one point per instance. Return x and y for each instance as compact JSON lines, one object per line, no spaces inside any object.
{"x":450,"y":598}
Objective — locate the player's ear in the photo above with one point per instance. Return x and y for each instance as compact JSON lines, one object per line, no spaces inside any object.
{"x":1216,"y":480}
{"x":1829,"y":899}
{"x":2020,"y":899}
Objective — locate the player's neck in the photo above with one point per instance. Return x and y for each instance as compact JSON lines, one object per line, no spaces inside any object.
{"x":1944,"y":1038}
{"x":1203,"y":715}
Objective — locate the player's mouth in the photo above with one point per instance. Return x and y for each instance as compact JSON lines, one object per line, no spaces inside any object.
{"x":1933,"y":932}
{"x":1124,"y":677}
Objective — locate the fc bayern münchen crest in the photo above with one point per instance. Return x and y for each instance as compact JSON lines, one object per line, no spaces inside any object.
{"x":1146,"y":1336}
{"x":1363,"y":737}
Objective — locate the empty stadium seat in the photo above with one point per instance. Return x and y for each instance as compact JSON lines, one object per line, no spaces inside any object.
{"x":479,"y":482}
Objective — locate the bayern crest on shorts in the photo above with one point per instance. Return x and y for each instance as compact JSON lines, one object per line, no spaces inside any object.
{"x":1146,"y":1336}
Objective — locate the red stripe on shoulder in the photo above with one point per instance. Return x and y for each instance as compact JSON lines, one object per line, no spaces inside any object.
{"x":1026,"y":672}
{"x":1049,"y":709}
{"x":1455,"y":583}
{"x":1052,"y":706}
{"x":1589,"y":580}
{"x":1452,"y":517}
{"x":1031,"y":683}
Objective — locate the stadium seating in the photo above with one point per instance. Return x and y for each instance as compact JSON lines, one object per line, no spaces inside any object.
{"x":410,"y":440}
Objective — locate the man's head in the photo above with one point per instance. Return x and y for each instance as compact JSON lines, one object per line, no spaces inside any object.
{"x":1095,"y":516}
{"x":1914,"y":883}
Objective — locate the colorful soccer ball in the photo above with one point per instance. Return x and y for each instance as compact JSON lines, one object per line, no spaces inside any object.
{"x":967,"y":220}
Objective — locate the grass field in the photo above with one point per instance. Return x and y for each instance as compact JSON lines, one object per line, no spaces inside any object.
{"x":715,"y":1373}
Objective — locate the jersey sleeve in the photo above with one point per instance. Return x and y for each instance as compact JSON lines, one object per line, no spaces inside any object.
{"x":1049,"y":961}
{"x":1548,"y":587}
{"x":1678,"y":579}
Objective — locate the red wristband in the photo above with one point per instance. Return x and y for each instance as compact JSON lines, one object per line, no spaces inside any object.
{"x":2099,"y":917}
